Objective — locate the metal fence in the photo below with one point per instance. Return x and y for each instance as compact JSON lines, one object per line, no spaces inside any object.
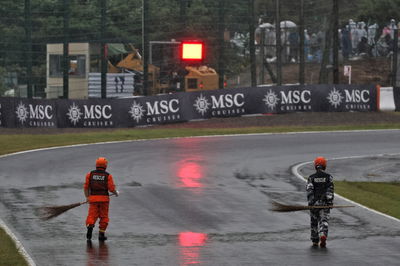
{"x":315,"y":42}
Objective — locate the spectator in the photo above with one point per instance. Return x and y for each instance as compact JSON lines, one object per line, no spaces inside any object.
{"x":353,"y":35}
{"x":346,"y":42}
{"x":363,"y":48}
{"x":361,"y":33}
{"x":389,"y":42}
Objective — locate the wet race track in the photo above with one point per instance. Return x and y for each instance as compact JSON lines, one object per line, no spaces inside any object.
{"x":201,"y":201}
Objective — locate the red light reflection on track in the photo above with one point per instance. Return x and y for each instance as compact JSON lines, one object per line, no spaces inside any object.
{"x":190,"y":244}
{"x":189,"y":168}
{"x":190,"y":174}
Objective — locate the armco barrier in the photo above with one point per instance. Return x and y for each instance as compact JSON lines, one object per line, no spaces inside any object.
{"x":179,"y":107}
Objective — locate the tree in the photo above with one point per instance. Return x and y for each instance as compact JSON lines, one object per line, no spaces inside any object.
{"x":379,"y":11}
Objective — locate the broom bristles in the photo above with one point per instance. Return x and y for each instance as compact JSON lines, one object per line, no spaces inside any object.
{"x":50,"y":212}
{"x":279,"y":207}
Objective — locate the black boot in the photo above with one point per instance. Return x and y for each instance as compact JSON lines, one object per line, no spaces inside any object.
{"x":102,"y":236}
{"x":89,"y":232}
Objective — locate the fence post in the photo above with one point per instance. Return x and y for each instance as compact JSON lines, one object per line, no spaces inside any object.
{"x":104,"y":65}
{"x":278,"y":43}
{"x":221,"y":43}
{"x":395,"y":58}
{"x":28,"y":36}
{"x":66,"y":50}
{"x":301,"y":38}
{"x":253,"y":69}
{"x":335,"y":42}
{"x":145,"y":45}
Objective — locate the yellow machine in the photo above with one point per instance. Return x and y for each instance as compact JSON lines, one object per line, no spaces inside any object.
{"x":198,"y":77}
{"x":201,"y":78}
{"x":133,"y":62}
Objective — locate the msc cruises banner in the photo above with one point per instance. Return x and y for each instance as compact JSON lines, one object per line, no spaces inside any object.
{"x":22,"y":112}
{"x":179,"y":107}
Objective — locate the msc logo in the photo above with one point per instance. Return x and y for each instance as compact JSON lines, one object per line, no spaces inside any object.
{"x":271,"y":99}
{"x":74,"y":114}
{"x":136,"y":111}
{"x":39,"y":112}
{"x":225,"y":104}
{"x":296,"y":96}
{"x":227,"y":101}
{"x":292,"y":97}
{"x":354,"y":96}
{"x":97,"y":112}
{"x":156,"y":111}
{"x":162,"y":107}
{"x":94,"y":112}
{"x":201,"y":104}
{"x":357,"y":96}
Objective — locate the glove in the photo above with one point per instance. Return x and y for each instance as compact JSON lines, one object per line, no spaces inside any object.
{"x":116,"y":193}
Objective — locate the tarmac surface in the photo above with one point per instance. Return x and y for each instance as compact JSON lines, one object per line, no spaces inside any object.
{"x":202,"y":201}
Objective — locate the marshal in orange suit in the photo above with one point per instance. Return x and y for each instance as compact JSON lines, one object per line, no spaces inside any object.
{"x":97,"y":186}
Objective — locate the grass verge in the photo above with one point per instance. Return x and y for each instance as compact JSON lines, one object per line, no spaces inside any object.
{"x":20,"y":142}
{"x":380,"y":196}
{"x":8,"y":251}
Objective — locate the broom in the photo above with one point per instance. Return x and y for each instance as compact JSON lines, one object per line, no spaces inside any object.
{"x":279,"y":207}
{"x":49,"y":212}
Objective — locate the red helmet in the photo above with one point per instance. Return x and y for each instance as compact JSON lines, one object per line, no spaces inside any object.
{"x":101,"y":162}
{"x":320,"y":162}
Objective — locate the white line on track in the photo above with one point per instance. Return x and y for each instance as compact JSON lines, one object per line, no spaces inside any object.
{"x":295,"y":171}
{"x":31,"y":262}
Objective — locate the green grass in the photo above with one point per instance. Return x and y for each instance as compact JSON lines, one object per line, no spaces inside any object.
{"x":8,"y":251}
{"x":371,"y":196}
{"x":380,"y":196}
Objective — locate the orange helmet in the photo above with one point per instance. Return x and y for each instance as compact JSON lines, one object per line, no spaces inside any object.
{"x":101,"y":162}
{"x":320,"y":162}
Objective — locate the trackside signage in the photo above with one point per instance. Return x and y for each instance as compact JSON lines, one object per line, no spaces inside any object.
{"x":87,"y":113}
{"x":35,"y":113}
{"x":220,"y":103}
{"x":351,"y":98}
{"x":154,"y":110}
{"x":179,"y":107}
{"x":286,"y":99}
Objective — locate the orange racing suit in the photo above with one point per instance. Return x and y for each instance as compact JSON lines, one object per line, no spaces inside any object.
{"x":97,"y":185}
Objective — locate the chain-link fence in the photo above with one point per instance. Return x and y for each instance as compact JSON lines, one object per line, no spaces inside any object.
{"x":118,"y":48}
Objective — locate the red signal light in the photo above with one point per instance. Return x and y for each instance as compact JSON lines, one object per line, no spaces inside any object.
{"x":192,"y":51}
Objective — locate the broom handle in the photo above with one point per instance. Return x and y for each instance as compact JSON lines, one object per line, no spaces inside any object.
{"x":84,"y":202}
{"x":329,"y":207}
